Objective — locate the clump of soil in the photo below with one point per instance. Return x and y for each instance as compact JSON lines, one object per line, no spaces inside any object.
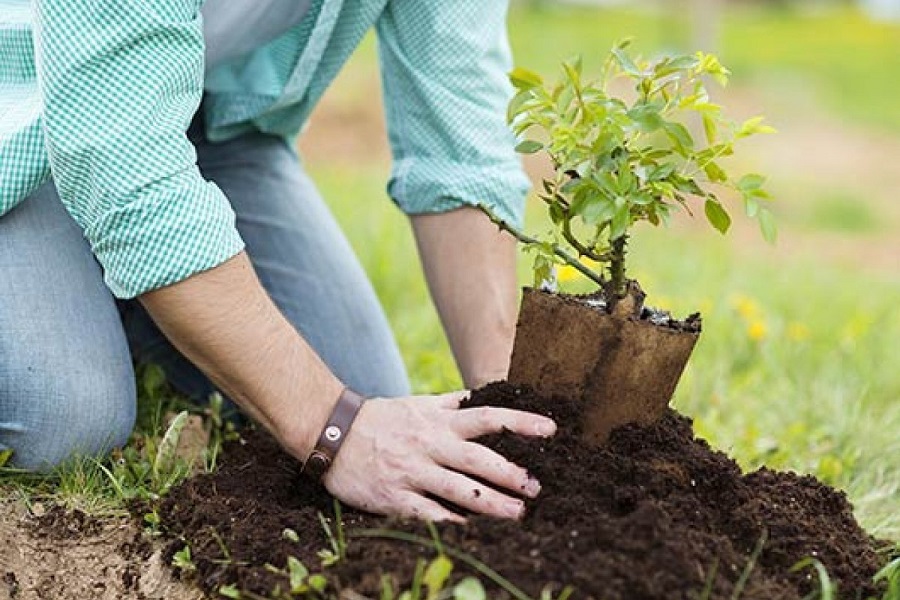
{"x":654,"y":514}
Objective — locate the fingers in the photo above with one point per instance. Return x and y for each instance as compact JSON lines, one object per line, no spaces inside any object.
{"x":415,"y":506}
{"x":474,"y":422}
{"x":453,"y":399}
{"x":491,"y":467}
{"x":469,"y":494}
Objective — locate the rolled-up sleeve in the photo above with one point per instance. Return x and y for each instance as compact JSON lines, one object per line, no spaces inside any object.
{"x":120,"y":82}
{"x":444,"y":67}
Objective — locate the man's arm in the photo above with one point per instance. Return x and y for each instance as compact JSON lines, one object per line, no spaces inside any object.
{"x":399,"y":451}
{"x":120,"y":82}
{"x":444,"y":66}
{"x":470,"y":267}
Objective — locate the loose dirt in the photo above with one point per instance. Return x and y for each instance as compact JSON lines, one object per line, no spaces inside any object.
{"x":655,"y":514}
{"x":63,"y":555}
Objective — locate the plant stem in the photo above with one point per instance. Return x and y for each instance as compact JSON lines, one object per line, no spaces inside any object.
{"x":528,"y":240}
{"x":581,"y":248}
{"x":617,"y":266}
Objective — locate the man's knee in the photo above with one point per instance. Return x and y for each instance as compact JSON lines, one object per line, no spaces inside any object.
{"x":46,"y":419}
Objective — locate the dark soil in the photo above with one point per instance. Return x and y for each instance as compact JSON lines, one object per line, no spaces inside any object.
{"x":655,"y":514}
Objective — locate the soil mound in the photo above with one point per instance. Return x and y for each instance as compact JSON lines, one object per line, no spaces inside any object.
{"x":654,"y":514}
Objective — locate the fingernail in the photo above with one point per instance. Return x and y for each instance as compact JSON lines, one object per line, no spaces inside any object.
{"x":532,"y":487}
{"x":514,"y":509}
{"x":545,"y":428}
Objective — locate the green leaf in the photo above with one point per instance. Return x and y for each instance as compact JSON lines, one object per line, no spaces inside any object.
{"x":710,"y":127}
{"x":647,"y":117}
{"x":298,"y":573}
{"x":436,"y":575}
{"x":469,"y":589}
{"x":673,"y":65}
{"x":290,"y":535}
{"x":573,"y":70}
{"x":621,"y":220}
{"x":516,"y":104}
{"x":750,"y":182}
{"x":717,"y":216}
{"x":318,"y":582}
{"x":165,"y":454}
{"x":680,"y":135}
{"x":597,"y":209}
{"x":767,"y":225}
{"x":387,"y":588}
{"x":543,"y":270}
{"x":661,"y":172}
{"x":626,"y":62}
{"x":557,"y":214}
{"x":626,"y":181}
{"x":529,"y":147}
{"x":230,"y":591}
{"x":754,"y":126}
{"x":751,"y":206}
{"x":715,"y":172}
{"x":827,"y":590}
{"x":524,"y":79}
{"x":566,"y":95}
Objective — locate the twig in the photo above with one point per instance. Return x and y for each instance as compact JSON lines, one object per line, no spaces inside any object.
{"x":526,"y":239}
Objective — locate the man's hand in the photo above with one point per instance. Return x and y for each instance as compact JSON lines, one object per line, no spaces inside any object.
{"x":402,"y":450}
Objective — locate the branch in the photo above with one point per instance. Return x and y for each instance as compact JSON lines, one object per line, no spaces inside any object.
{"x":581,"y":248}
{"x":526,"y":239}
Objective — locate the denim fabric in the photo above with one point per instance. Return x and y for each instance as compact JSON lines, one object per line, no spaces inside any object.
{"x":66,"y":378}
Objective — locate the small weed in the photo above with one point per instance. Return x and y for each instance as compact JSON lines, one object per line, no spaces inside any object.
{"x":751,"y":564}
{"x":182,"y":560}
{"x":336,"y":538}
{"x":826,"y":589}
{"x":890,"y":575}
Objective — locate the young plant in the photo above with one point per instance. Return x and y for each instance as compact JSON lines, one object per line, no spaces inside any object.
{"x":622,"y":160}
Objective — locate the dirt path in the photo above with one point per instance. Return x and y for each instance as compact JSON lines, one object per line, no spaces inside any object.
{"x":62,"y":556}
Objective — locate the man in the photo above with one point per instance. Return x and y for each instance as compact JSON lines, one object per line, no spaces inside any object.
{"x":123,"y":220}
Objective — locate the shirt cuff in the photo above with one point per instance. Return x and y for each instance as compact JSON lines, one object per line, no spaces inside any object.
{"x":164,"y":237}
{"x":421,"y":186}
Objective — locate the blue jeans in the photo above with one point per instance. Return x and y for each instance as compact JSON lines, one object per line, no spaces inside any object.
{"x":67,"y":346}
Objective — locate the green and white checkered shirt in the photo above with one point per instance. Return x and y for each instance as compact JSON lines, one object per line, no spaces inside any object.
{"x":99,"y":94}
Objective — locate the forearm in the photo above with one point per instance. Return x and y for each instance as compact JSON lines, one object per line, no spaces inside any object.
{"x":470,"y":268}
{"x":225,"y":323}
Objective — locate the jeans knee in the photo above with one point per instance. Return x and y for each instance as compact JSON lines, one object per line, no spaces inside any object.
{"x":57,"y":417}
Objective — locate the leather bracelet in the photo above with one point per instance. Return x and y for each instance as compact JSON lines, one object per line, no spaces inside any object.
{"x":336,"y":428}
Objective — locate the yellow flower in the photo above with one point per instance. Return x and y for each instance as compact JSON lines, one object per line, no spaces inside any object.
{"x":797,"y":332}
{"x":745,"y":306}
{"x":567,"y":273}
{"x":757,"y":330}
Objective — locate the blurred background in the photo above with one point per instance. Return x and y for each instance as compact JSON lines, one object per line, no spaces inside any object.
{"x":798,"y":366}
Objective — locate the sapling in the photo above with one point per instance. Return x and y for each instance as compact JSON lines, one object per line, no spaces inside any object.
{"x":641,"y":141}
{"x":623,"y":159}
